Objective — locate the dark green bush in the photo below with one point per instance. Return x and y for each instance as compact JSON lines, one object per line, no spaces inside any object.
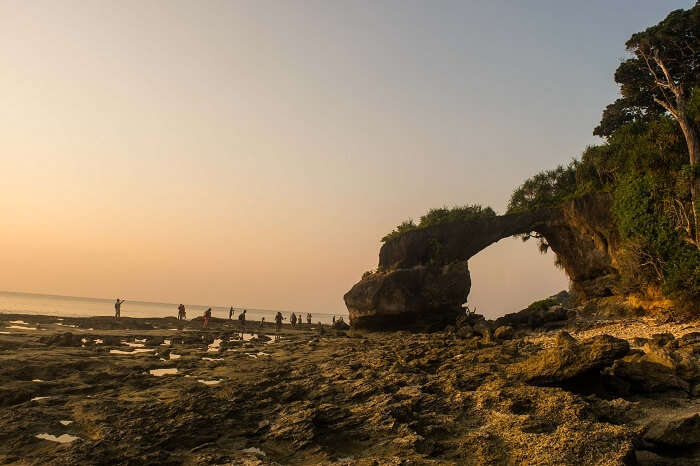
{"x":545,"y":189}
{"x":542,"y":305}
{"x":439,"y":216}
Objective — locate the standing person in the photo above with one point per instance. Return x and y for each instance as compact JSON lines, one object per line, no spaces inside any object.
{"x":278,"y":324}
{"x":293,"y":319}
{"x":333,"y":320}
{"x":230,"y":313}
{"x":207,"y":316}
{"x":181,"y":312}
{"x":241,"y":317}
{"x":308,"y":318}
{"x":262,"y":322}
{"x":118,"y":308}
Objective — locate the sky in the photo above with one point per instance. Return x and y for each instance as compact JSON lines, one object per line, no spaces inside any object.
{"x":253,"y":153}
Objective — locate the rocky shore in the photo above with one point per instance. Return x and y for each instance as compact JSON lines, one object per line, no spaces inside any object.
{"x":548,"y":387}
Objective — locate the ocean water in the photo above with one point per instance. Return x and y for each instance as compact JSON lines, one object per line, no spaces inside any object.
{"x":70,"y":306}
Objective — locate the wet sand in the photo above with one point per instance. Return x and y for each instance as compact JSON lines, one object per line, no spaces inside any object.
{"x":160,"y":391}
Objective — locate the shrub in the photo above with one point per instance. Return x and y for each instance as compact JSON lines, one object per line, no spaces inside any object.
{"x":545,"y":189}
{"x":542,"y":305}
{"x":440,"y":216}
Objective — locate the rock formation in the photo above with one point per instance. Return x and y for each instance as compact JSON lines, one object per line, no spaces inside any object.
{"x":423,"y":277}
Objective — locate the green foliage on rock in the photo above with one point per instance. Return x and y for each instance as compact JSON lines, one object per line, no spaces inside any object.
{"x":656,"y":251}
{"x":546,"y":189}
{"x":542,"y":305}
{"x":440,"y":216}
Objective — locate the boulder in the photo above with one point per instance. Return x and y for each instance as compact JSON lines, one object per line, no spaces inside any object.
{"x":651,"y":371}
{"x":424,"y":297}
{"x":563,"y":298}
{"x":465,"y":331}
{"x":504,"y":332}
{"x":639,"y":341}
{"x":341,"y":325}
{"x":649,"y":458}
{"x":485,"y":331}
{"x":564,"y":338}
{"x":469,"y":319}
{"x":692,"y":338}
{"x":661,"y":339}
{"x":683,"y":431}
{"x":571,"y":360}
{"x":63,"y":339}
{"x":687,"y":364}
{"x":550,"y":317}
{"x":155,"y":340}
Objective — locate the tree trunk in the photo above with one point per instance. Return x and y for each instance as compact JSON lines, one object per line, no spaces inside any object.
{"x":692,"y":139}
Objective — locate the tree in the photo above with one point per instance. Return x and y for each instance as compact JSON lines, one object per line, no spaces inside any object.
{"x":659,"y":78}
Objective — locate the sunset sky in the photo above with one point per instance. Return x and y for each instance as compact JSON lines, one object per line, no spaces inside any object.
{"x":253,"y":153}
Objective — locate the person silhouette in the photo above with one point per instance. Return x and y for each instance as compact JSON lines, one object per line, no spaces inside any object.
{"x":118,"y":308}
{"x":207,"y":316}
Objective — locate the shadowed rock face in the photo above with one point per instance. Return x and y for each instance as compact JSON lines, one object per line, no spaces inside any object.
{"x":423,"y":277}
{"x":421,"y":297}
{"x":586,"y":243}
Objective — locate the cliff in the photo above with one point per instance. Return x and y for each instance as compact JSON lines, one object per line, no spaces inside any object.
{"x":585,"y":241}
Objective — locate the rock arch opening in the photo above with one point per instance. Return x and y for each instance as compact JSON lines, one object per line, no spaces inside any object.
{"x":510,"y":274}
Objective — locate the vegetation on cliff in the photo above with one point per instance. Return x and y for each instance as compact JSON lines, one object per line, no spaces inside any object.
{"x":648,"y":161}
{"x":440,"y":216}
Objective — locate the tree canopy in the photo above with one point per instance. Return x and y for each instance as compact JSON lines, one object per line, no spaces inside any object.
{"x":665,"y":61}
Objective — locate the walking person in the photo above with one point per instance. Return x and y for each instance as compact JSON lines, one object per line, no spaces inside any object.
{"x":241,"y":317}
{"x":118,"y":308}
{"x":262,"y":322}
{"x":230,"y":313}
{"x":308,"y":318}
{"x":293,"y":319}
{"x":207,"y":316}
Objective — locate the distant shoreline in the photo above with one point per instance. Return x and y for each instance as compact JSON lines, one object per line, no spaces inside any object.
{"x":59,"y":305}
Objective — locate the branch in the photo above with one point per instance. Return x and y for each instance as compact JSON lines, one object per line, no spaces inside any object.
{"x":651,"y":68}
{"x":677,"y":90}
{"x":666,"y":106}
{"x":662,"y":85}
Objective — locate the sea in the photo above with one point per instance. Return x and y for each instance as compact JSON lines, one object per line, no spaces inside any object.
{"x":72,"y":306}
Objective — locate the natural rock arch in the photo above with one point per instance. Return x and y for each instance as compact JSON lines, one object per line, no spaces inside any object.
{"x":423,"y":275}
